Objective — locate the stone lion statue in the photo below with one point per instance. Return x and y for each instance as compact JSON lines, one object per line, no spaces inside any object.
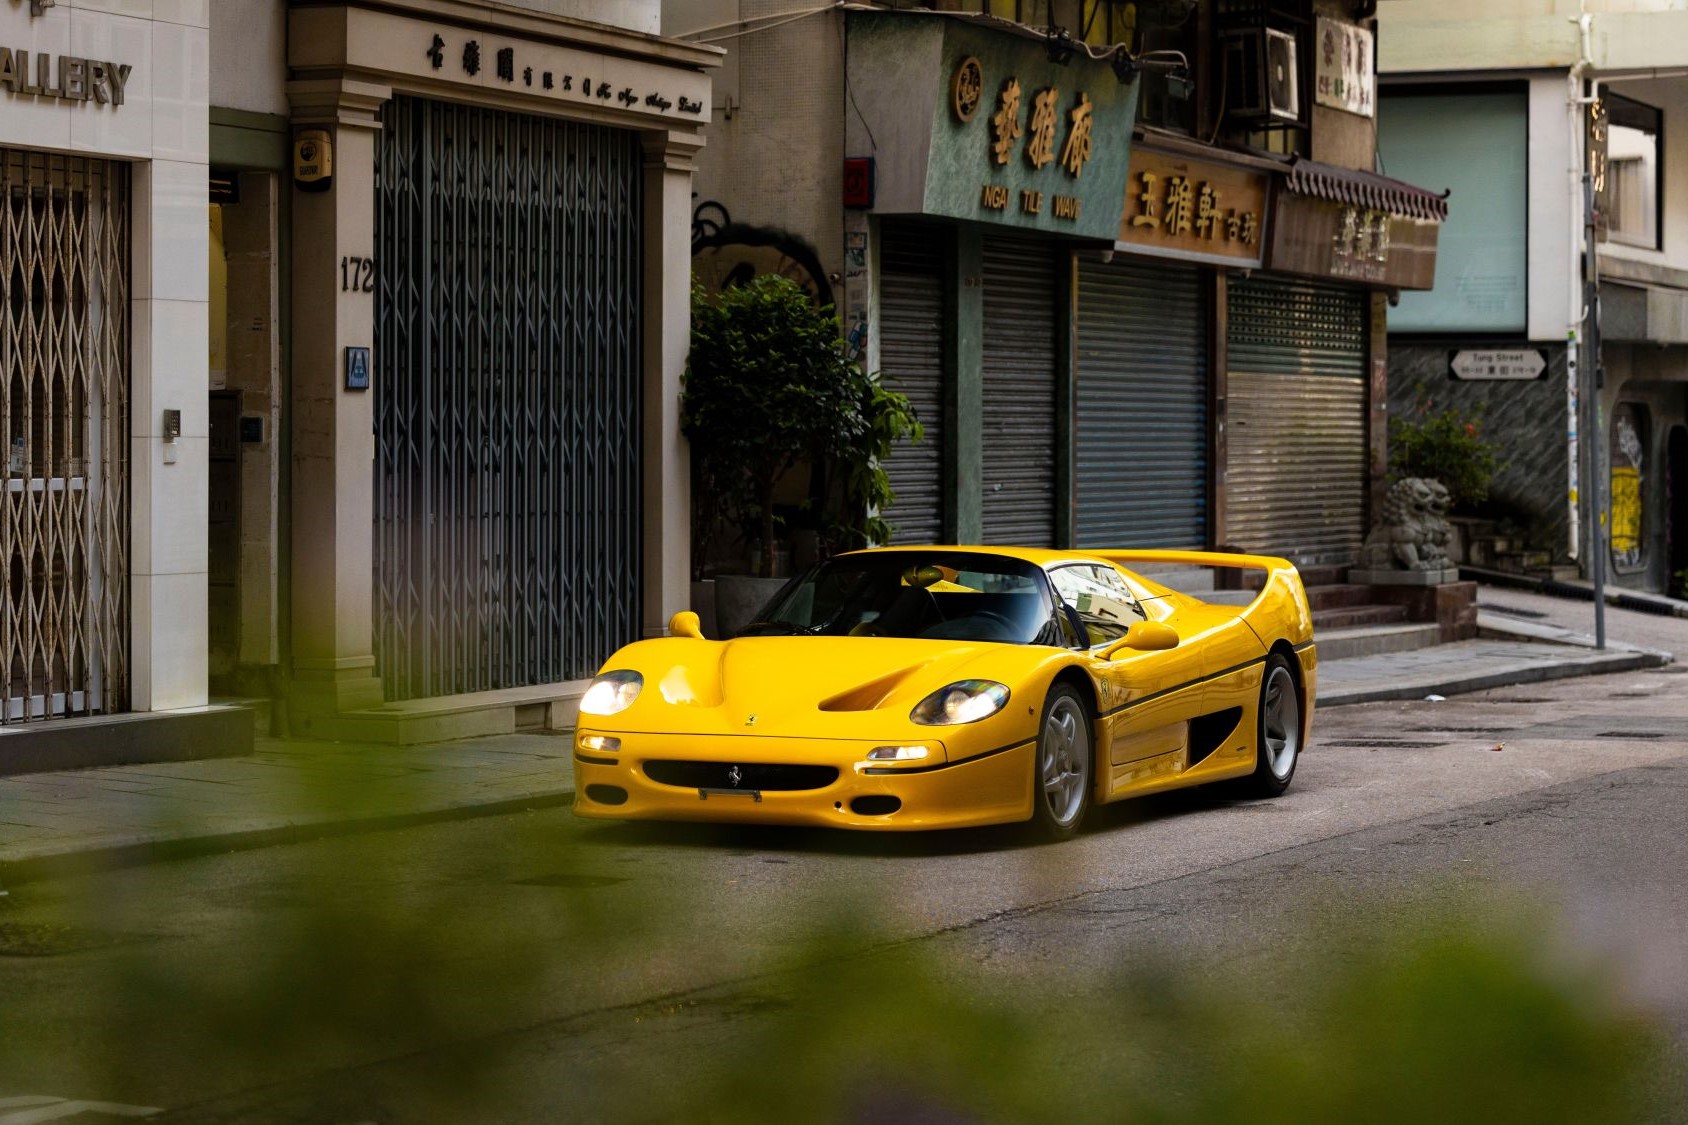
{"x":1413,"y":533}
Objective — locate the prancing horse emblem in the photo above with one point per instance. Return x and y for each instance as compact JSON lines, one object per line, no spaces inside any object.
{"x":751,"y":721}
{"x":734,"y":776}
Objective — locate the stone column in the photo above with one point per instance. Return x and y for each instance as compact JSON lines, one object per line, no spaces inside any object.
{"x":670,"y":158}
{"x":333,"y":485}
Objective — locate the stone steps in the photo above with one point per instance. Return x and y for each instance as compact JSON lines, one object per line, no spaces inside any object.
{"x":1353,"y":617}
{"x":407,"y":722}
{"x":1374,"y":640}
{"x":1339,"y":596}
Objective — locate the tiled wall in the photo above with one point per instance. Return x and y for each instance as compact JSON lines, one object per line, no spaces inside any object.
{"x":163,"y":129}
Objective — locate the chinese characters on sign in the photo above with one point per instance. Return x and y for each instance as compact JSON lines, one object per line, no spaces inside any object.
{"x":1186,"y":207}
{"x":1041,"y":124}
{"x":1345,"y":77}
{"x":505,"y":68}
{"x":1361,"y":246}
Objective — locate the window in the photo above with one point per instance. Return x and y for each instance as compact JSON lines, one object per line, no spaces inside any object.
{"x":1101,"y":598}
{"x":1476,"y":143}
{"x":1633,"y":164}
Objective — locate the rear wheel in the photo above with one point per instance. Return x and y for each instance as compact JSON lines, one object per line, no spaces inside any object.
{"x":1062,"y":780}
{"x":1278,"y":737}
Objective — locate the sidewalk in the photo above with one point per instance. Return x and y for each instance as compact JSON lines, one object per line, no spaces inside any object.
{"x":60,"y":823}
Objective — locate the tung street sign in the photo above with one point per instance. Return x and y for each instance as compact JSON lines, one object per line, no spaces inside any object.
{"x":1510,"y":363}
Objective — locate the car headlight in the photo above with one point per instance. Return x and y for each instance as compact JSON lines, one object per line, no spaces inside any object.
{"x":966,"y":701}
{"x":611,"y":693}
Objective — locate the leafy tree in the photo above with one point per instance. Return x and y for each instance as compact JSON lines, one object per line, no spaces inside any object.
{"x":768,"y":386}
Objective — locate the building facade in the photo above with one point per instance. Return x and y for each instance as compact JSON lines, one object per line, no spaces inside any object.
{"x":103,"y":314}
{"x":1175,"y":340}
{"x":342,"y":346}
{"x":1509,"y":107}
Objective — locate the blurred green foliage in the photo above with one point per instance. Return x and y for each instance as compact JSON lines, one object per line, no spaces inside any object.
{"x":351,"y":980}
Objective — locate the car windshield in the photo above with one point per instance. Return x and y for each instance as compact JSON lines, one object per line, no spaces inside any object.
{"x":933,"y":595}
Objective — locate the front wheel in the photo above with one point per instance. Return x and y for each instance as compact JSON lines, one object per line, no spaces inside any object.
{"x":1278,"y":729}
{"x":1063,"y":764}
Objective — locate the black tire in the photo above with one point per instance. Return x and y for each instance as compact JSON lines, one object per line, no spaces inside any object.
{"x":1063,"y":765}
{"x":1277,"y":734}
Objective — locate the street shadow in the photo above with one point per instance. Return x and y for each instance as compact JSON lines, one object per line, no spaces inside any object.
{"x":1118,"y":818}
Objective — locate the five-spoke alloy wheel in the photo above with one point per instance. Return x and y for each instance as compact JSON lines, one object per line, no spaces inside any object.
{"x":1064,"y":762}
{"x":1278,"y":740}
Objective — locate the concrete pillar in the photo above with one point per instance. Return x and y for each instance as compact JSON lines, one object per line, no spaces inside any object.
{"x":964,"y":382}
{"x":333,"y":484}
{"x":670,"y":159}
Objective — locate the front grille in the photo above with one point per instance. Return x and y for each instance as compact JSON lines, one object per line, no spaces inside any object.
{"x":715,"y":775}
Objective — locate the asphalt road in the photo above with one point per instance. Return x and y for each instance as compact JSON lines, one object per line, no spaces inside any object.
{"x":536,"y":967}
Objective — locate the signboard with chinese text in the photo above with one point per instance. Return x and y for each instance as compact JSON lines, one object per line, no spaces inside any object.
{"x":1193,"y":210}
{"x":971,"y":122}
{"x":1344,"y":75}
{"x":606,"y":86}
{"x":1319,"y":238}
{"x":1490,"y":363}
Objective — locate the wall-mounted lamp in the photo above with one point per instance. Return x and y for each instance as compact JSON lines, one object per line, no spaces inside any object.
{"x":1060,"y":45}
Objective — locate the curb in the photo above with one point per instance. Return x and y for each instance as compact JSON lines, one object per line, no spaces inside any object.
{"x":56,"y":865}
{"x":1512,"y":677}
{"x":1656,"y":604}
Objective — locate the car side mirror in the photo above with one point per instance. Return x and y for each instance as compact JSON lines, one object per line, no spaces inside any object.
{"x":686,"y":624}
{"x":1145,"y":636}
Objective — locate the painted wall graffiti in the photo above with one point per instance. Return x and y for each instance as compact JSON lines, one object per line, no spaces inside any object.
{"x":1628,"y":459}
{"x":725,"y":253}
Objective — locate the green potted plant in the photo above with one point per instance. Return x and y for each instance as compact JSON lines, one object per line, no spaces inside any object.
{"x":1444,"y":446}
{"x":769,"y":387}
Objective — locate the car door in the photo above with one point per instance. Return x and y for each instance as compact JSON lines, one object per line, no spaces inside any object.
{"x":1146,"y":700}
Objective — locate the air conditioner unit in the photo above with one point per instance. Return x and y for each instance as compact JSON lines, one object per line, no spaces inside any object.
{"x":1262,"y":79}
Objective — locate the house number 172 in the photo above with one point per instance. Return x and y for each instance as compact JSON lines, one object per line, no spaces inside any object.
{"x":357,"y":275}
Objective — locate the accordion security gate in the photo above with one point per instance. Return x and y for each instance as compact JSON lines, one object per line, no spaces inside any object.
{"x":507,"y":383}
{"x":64,"y":348}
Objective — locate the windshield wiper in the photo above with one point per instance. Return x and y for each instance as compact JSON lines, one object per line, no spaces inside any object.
{"x":774,"y":628}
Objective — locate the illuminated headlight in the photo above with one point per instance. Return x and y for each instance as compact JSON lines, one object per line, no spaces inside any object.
{"x":611,"y":693}
{"x":897,"y":753}
{"x":603,"y":743}
{"x":965,"y":702}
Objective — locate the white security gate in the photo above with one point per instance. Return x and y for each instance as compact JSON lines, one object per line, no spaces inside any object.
{"x":64,"y":408}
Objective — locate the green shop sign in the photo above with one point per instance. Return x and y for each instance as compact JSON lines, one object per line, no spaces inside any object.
{"x":972,"y":122}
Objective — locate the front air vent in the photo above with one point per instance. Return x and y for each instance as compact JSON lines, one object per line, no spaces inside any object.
{"x":751,"y":777}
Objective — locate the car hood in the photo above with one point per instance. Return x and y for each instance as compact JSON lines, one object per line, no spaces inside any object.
{"x":813,"y":687}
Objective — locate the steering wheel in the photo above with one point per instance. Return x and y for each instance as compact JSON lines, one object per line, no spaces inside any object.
{"x":994,"y":619}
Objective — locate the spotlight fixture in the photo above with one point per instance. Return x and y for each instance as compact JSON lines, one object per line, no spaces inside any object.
{"x":1060,"y":45}
{"x":1125,"y":67}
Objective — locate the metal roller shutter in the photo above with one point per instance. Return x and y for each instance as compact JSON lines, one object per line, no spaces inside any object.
{"x":1297,"y":471}
{"x":1142,"y":405}
{"x":1019,"y":391}
{"x":911,"y":360}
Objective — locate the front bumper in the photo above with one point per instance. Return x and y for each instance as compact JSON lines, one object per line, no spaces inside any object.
{"x":994,"y":787}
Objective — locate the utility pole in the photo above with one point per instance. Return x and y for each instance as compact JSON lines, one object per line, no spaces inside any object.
{"x":1590,"y":373}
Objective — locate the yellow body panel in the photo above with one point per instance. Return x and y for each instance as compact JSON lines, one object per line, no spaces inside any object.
{"x":825,"y":701}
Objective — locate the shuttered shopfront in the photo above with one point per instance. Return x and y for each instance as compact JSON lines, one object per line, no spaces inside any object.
{"x":1142,"y":456}
{"x":1297,"y":403}
{"x":1020,"y":300}
{"x":508,"y":409}
{"x":911,"y":360}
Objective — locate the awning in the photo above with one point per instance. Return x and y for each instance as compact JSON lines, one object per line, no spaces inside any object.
{"x":1365,"y":189}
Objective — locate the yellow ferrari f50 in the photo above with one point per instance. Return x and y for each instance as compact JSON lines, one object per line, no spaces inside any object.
{"x":936,"y":687}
